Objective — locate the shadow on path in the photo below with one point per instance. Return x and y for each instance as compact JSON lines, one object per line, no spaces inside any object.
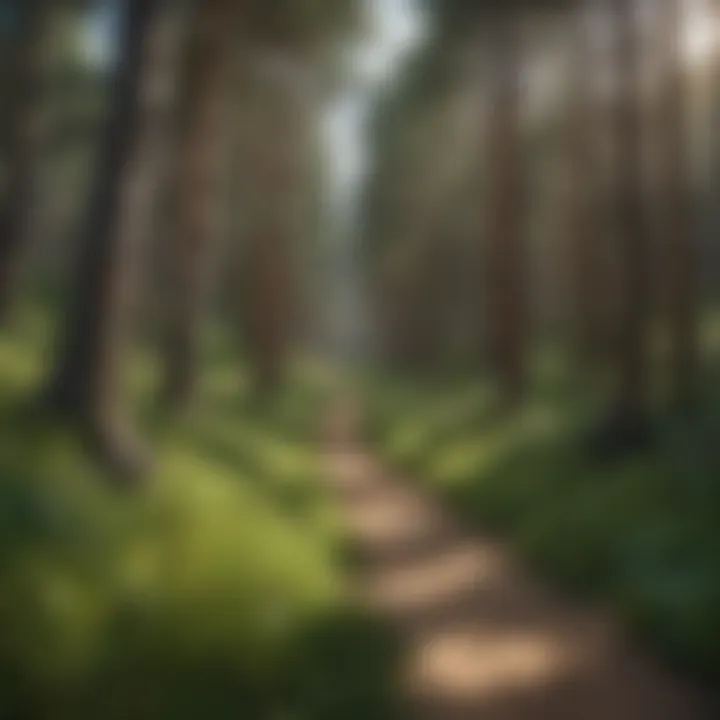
{"x":482,"y":640}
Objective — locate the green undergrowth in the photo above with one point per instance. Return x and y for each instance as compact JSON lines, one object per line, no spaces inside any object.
{"x":215,"y":591}
{"x":641,"y":534}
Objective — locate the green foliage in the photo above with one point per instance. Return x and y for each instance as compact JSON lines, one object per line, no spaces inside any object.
{"x":216,"y":591}
{"x":643,"y":534}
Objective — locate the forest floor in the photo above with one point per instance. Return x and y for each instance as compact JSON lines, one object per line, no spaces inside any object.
{"x":217,"y":589}
{"x":481,"y":637}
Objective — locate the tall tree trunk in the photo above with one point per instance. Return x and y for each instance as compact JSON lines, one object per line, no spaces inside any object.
{"x":505,"y":279}
{"x":271,"y":299}
{"x":680,"y":255}
{"x":629,"y":406}
{"x":20,"y":136}
{"x":713,"y":251}
{"x":268,"y":279}
{"x":586,"y":290}
{"x":87,"y":384}
{"x":194,"y":206}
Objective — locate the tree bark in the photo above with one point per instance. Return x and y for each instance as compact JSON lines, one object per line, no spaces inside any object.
{"x":680,"y":265}
{"x":86,"y":384}
{"x":190,"y":248}
{"x":268,"y":310}
{"x":505,"y":278}
{"x":586,"y":291}
{"x":629,"y":406}
{"x":21,"y":136}
{"x":270,"y":305}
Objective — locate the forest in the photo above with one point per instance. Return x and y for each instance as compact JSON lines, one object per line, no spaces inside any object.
{"x":359,"y":359}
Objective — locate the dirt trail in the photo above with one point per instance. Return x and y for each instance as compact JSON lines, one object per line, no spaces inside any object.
{"x":482,"y":640}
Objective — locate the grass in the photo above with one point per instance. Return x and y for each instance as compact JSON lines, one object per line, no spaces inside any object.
{"x":642,"y":535}
{"x":217,"y":591}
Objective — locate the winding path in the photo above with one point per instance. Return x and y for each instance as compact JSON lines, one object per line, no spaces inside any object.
{"x":482,"y":640}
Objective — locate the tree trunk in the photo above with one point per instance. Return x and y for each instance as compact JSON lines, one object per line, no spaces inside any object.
{"x":629,"y":407}
{"x":194,"y":205}
{"x":586,"y":290}
{"x":680,"y":252}
{"x":505,"y":279}
{"x":21,"y":136}
{"x":86,"y":384}
{"x":277,"y":160}
{"x":267,"y":308}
